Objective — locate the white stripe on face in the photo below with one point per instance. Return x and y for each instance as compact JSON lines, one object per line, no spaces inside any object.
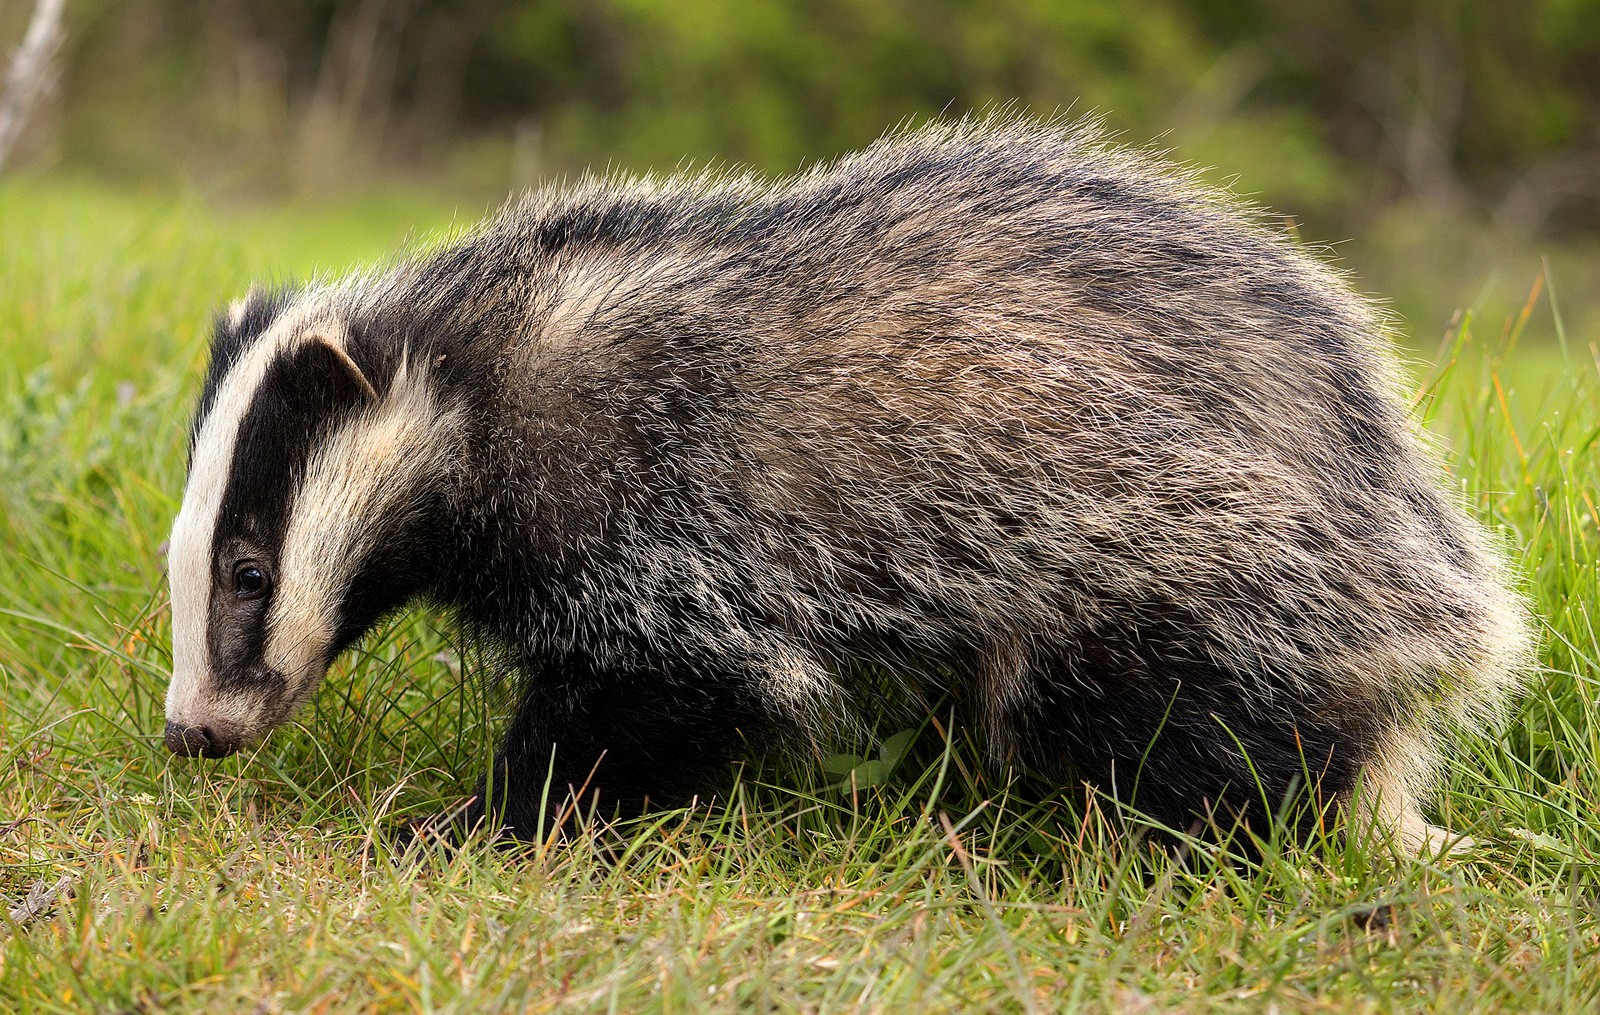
{"x":190,"y":546}
{"x":365,"y":473}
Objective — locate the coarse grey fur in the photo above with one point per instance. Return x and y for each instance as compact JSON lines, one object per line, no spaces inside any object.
{"x":993,"y":402}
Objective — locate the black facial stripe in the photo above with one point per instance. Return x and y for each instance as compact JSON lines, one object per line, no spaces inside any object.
{"x":302,"y":400}
{"x":229,"y":341}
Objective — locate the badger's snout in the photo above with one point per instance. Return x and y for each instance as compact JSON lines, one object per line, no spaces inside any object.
{"x":199,"y":741}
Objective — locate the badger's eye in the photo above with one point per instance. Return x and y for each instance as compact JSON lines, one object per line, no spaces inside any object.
{"x":249,"y":580}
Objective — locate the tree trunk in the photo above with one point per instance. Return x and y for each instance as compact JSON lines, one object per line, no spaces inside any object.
{"x":30,"y":75}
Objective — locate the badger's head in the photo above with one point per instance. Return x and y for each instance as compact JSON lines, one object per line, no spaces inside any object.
{"x":316,"y":463}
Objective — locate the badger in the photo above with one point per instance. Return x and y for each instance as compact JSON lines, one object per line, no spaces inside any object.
{"x":997,"y":407}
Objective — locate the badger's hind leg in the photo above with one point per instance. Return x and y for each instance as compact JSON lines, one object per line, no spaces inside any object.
{"x":1190,"y":745}
{"x":1386,"y":800}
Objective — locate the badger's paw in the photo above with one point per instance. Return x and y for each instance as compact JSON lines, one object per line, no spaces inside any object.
{"x":1429,"y":840}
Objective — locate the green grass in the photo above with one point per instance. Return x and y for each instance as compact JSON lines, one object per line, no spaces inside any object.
{"x":247,"y":884}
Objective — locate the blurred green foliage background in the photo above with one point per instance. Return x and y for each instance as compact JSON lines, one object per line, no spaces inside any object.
{"x":1455,"y":144}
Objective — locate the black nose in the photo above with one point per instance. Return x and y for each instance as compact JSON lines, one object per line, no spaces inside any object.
{"x":196,"y":742}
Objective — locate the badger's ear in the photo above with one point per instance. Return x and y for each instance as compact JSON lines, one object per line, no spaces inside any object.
{"x":332,"y":343}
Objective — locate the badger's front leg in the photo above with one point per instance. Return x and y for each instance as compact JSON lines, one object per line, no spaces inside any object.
{"x":612,"y":745}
